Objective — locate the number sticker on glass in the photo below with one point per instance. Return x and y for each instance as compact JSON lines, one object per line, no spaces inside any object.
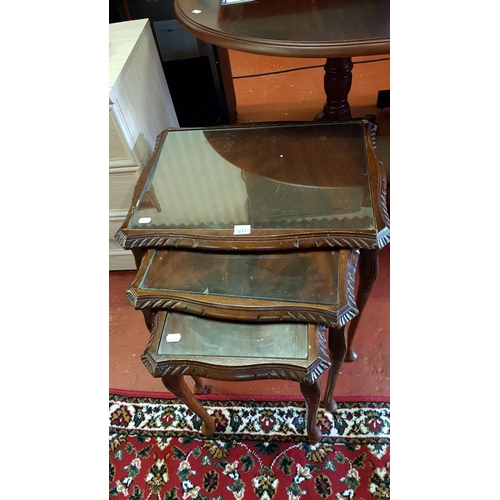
{"x":242,"y":229}
{"x":173,"y":337}
{"x":144,"y":220}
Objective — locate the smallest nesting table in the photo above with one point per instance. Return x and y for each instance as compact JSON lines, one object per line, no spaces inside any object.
{"x":188,"y":345}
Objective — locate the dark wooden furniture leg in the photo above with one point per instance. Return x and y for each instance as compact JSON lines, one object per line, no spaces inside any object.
{"x":368,"y":272}
{"x":312,"y":395}
{"x":337,"y":347}
{"x":177,"y":386}
{"x":338,"y":80}
{"x":199,"y":387}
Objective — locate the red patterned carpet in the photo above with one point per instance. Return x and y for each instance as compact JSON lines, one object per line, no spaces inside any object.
{"x":259,"y":450}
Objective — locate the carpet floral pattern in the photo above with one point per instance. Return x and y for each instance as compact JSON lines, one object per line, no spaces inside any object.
{"x":259,"y":451}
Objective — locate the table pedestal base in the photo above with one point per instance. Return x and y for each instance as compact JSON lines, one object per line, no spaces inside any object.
{"x":338,"y":80}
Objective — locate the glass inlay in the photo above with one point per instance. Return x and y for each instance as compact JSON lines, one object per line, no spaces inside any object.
{"x":186,"y":335}
{"x":307,"y":176}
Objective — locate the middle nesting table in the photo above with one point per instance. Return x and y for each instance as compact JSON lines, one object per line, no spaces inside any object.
{"x":246,"y":316}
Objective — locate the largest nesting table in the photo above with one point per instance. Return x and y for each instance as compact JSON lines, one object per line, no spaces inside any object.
{"x":246,"y":240}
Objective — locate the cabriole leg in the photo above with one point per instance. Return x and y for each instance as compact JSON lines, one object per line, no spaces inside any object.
{"x":199,"y":387}
{"x":312,"y":395}
{"x":368,"y":272}
{"x":177,"y":386}
{"x":337,"y":346}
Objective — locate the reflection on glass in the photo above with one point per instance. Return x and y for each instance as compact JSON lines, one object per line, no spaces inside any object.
{"x":309,"y":277}
{"x":205,"y":337}
{"x":269,"y":177}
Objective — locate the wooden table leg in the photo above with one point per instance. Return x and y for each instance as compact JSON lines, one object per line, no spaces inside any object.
{"x":368,"y":272}
{"x":199,"y":386}
{"x":177,"y":386}
{"x":337,"y":82}
{"x":312,"y":395}
{"x":337,"y":345}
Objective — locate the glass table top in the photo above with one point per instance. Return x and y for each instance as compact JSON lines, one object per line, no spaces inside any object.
{"x":222,"y":350}
{"x":295,"y":277}
{"x":304,"y":286}
{"x":259,"y":187}
{"x":185,"y":335}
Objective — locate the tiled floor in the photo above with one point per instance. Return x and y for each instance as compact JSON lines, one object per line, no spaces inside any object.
{"x":294,"y":95}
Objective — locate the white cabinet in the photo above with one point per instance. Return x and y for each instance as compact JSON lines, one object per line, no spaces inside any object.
{"x":140,"y":107}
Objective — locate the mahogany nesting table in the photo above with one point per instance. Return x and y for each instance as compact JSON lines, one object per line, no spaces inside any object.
{"x":246,"y":241}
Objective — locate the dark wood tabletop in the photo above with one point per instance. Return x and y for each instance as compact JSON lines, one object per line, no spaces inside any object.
{"x":313,"y":286}
{"x":293,"y":28}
